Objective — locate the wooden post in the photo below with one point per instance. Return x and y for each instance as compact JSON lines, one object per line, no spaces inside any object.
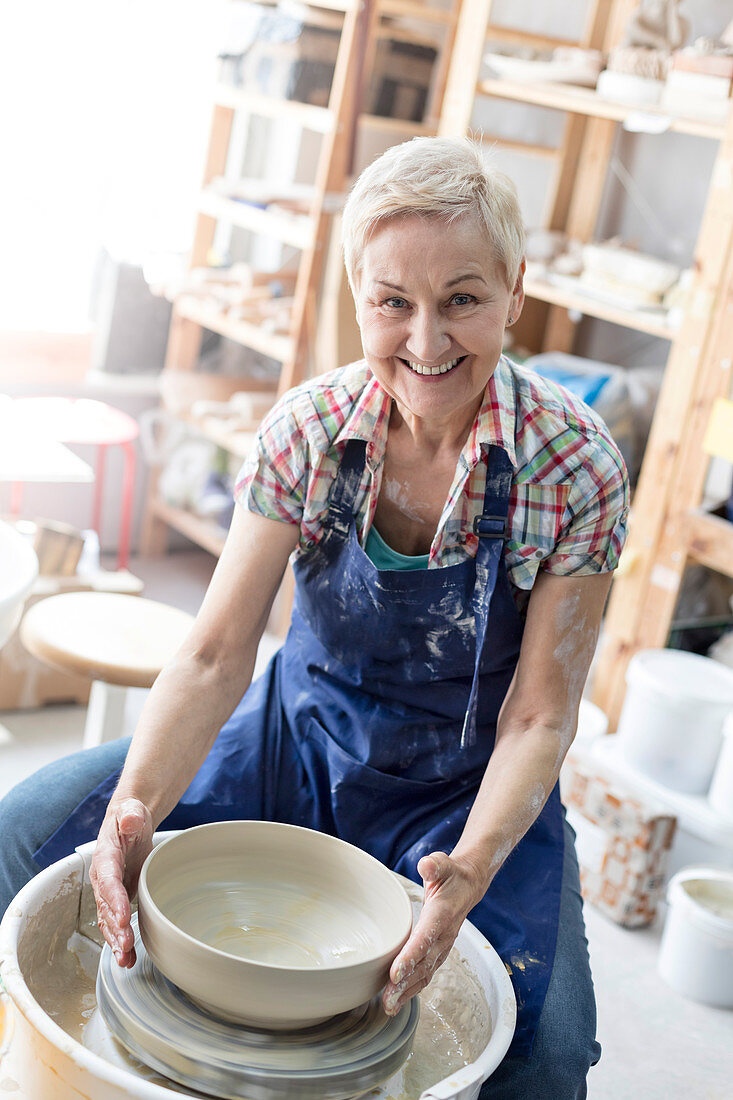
{"x":672,"y":475}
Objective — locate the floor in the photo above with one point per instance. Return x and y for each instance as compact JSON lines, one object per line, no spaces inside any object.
{"x":657,"y":1045}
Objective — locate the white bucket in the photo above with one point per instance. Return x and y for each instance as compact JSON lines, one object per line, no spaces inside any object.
{"x":39,"y":1060}
{"x":696,"y":954}
{"x":592,"y":724}
{"x":720,"y":794}
{"x":671,"y":723}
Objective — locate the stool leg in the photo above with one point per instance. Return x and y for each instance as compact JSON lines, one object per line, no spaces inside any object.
{"x":99,"y":490}
{"x":16,"y":498}
{"x":128,"y":487}
{"x":105,"y":714}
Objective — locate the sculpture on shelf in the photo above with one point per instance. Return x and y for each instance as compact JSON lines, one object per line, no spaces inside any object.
{"x":657,"y":25}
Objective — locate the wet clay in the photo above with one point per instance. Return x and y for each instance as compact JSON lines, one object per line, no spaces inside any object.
{"x":715,"y":895}
{"x":230,"y":919}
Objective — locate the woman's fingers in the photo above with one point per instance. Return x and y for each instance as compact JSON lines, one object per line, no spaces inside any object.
{"x":122,"y":846}
{"x":113,"y":904}
{"x":396,"y":995}
{"x":450,"y":893}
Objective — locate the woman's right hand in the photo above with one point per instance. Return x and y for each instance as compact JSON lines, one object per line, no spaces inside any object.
{"x":124,"y":841}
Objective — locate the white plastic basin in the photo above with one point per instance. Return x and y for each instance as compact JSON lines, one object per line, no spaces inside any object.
{"x":39,"y":1059}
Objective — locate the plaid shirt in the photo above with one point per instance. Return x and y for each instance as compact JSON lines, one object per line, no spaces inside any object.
{"x":569,"y":498}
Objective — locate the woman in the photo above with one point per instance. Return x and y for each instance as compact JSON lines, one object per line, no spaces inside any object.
{"x":455,"y":521}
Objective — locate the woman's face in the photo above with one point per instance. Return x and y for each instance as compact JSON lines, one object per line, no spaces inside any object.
{"x":432,"y":305}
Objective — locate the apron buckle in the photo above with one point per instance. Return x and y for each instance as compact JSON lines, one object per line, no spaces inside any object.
{"x":490,"y":527}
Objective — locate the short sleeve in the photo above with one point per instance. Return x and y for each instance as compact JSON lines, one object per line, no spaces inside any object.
{"x":272,"y":480}
{"x":593,"y":529}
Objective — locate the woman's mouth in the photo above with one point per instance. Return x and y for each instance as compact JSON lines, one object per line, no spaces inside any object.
{"x":441,"y":368}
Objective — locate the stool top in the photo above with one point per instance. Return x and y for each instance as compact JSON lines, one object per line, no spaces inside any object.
{"x":76,"y":419}
{"x":124,"y":640}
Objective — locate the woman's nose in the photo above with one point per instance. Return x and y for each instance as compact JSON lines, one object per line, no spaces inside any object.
{"x":427,"y":340}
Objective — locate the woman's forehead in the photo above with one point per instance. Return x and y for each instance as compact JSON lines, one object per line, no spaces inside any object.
{"x":445,"y":253}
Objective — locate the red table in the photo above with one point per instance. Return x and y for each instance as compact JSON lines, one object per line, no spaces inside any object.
{"x":85,"y":421}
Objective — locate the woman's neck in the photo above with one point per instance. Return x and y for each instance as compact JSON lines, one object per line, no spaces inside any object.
{"x":433,"y":437}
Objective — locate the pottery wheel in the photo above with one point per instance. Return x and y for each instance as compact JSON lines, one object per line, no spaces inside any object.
{"x":339,"y":1058}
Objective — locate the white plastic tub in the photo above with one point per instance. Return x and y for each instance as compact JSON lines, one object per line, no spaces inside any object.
{"x":39,"y":1060}
{"x":671,"y":723}
{"x":696,"y":954}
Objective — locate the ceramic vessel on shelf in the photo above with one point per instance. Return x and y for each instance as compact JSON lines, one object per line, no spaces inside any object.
{"x":18,"y":571}
{"x":271,"y":925}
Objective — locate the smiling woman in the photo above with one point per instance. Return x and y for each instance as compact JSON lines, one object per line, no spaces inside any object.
{"x":453,"y":522}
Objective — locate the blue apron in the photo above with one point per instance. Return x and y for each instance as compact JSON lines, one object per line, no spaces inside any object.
{"x":375,"y":722}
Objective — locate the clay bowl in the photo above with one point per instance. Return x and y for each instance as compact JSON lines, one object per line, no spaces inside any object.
{"x":271,"y":925}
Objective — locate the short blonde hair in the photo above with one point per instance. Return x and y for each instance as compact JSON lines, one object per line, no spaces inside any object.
{"x":434,"y":177}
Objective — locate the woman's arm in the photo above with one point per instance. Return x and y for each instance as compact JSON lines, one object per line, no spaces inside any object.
{"x":536,"y":726}
{"x":190,"y":701}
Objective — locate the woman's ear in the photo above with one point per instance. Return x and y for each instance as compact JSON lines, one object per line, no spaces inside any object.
{"x":517,"y":302}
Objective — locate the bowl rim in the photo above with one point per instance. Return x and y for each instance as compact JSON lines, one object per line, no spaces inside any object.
{"x":392,"y":876}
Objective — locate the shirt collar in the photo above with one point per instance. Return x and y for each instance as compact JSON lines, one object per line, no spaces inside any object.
{"x":495,"y":423}
{"x":368,"y":420}
{"x":497,"y":420}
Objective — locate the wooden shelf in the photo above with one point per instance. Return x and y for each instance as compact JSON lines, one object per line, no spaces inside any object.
{"x":329,"y":5}
{"x":414,"y":9}
{"x":204,"y":532}
{"x":400,"y":126}
{"x":519,"y":37}
{"x":584,"y":101}
{"x":237,"y":442}
{"x":307,"y":115}
{"x":296,"y":230}
{"x":653,"y":322}
{"x":272,"y":344}
{"x":710,"y":541}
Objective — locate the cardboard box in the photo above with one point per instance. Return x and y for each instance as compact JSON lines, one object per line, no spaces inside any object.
{"x":708,"y":64}
{"x":26,"y":682}
{"x":623,"y":842}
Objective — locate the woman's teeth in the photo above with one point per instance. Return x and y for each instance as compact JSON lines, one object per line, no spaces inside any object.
{"x":442,"y":369}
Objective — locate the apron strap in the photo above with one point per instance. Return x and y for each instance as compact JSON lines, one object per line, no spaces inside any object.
{"x":346,"y":487}
{"x":491,"y":528}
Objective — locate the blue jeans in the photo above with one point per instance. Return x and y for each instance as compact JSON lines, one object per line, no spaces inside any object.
{"x":564,"y":1048}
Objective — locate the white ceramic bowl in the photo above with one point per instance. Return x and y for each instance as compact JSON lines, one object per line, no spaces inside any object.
{"x":271,"y":925}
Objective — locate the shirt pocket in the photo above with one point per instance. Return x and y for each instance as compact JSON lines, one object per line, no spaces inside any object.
{"x":536,"y":527}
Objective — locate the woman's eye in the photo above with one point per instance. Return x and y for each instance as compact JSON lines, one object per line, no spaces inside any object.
{"x":462,"y":299}
{"x":395,"y":303}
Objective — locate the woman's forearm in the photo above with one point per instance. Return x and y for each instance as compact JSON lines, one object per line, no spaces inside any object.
{"x":521,"y":773}
{"x":188,"y":704}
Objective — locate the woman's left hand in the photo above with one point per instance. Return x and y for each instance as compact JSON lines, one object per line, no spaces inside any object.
{"x":452,"y":888}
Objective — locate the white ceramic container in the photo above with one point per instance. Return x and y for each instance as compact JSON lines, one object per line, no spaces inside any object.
{"x":696,"y":954}
{"x":720,"y":794}
{"x":671,"y":723}
{"x":39,"y":1060}
{"x":18,"y":571}
{"x":271,"y":925}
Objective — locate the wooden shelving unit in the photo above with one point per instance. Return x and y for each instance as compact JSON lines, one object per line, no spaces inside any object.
{"x":585,"y":101}
{"x":361,"y":24}
{"x":652,"y":321}
{"x":667,"y":527}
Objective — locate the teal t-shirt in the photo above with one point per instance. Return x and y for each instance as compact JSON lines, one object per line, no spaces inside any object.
{"x":384,"y":557}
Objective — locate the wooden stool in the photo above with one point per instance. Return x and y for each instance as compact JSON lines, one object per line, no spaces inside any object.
{"x":117,"y":641}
